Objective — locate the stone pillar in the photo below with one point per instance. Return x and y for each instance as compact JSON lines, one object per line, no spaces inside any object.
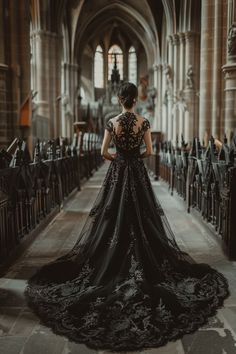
{"x":47,"y":61}
{"x":159,"y":100}
{"x":69,"y":98}
{"x":105,"y":60}
{"x":157,"y":77}
{"x":164,"y":106}
{"x":126,"y":65}
{"x":65,"y":103}
{"x":55,"y":83}
{"x":41,"y":119}
{"x":181,"y":83}
{"x":207,"y":33}
{"x":14,"y":67}
{"x":230,"y":99}
{"x":191,"y":83}
{"x":170,"y":89}
{"x":75,"y":73}
{"x":189,"y":114}
{"x":176,"y":43}
{"x":216,"y":64}
{"x":229,"y":70}
{"x":5,"y":112}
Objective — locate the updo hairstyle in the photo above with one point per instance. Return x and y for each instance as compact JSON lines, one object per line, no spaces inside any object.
{"x":127,"y":94}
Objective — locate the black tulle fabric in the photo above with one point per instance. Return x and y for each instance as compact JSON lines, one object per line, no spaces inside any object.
{"x":126,"y":285}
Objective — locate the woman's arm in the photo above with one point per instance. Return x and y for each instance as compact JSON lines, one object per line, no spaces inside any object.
{"x":105,"y":145}
{"x":148,"y":142}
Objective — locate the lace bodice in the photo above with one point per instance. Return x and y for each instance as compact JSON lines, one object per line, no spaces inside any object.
{"x":127,"y":130}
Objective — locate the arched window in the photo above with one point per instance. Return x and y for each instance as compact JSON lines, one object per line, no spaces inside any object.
{"x":132,"y":65}
{"x":115,"y":52}
{"x":98,"y":68}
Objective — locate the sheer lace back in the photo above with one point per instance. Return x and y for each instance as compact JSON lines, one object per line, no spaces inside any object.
{"x":127,"y":130}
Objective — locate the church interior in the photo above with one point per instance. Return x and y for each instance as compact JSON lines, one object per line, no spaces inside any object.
{"x":61,"y":63}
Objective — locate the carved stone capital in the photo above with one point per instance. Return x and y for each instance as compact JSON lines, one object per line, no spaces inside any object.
{"x":170,"y":39}
{"x":157,"y":67}
{"x":230,"y":71}
{"x":182,"y":37}
{"x":45,"y":34}
{"x":176,"y":39}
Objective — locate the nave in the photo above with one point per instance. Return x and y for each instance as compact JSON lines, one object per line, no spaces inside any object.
{"x":21,"y":332}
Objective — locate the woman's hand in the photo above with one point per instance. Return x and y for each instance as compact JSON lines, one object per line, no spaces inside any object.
{"x":145,"y":154}
{"x":108,"y":156}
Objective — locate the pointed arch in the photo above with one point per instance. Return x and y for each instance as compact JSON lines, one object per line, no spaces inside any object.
{"x":99,"y":67}
{"x":132,"y":65}
{"x":115,"y":51}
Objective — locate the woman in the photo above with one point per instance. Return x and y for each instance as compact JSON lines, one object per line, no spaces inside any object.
{"x":126,"y":285}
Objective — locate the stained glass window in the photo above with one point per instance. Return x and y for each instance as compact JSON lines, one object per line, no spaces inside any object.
{"x":98,"y":68}
{"x":132,"y":65}
{"x":115,"y":51}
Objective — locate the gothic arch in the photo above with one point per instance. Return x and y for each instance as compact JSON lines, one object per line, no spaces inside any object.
{"x":170,"y":14}
{"x":126,"y":15}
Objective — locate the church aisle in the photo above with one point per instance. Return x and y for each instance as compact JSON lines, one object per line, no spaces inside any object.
{"x":20,"y":330}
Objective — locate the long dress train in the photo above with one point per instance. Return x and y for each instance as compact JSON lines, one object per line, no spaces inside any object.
{"x":126,"y":285}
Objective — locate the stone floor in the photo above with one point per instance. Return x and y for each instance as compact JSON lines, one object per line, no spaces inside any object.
{"x":20,"y":330}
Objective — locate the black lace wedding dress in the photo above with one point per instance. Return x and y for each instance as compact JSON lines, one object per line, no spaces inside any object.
{"x":126,"y":285}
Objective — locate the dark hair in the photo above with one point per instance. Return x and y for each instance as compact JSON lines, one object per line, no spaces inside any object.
{"x":127,"y":94}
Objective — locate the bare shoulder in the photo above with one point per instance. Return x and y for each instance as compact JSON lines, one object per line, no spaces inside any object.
{"x":114,"y":119}
{"x":140,"y":118}
{"x":144,"y":122}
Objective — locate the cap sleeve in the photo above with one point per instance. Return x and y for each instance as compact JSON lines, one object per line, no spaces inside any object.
{"x":109,"y":126}
{"x":146,"y":124}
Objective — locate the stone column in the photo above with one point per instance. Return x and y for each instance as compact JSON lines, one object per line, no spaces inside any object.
{"x":55,"y":84}
{"x":126,"y":65}
{"x":5,"y":109}
{"x":105,"y":61}
{"x":164,"y":106}
{"x":75,"y":73}
{"x":159,"y":100}
{"x":157,"y":76}
{"x":69,"y":98}
{"x":5,"y":112}
{"x":176,"y":43}
{"x":181,"y":83}
{"x":207,"y":33}
{"x":191,"y":83}
{"x":14,"y":68}
{"x":47,"y":61}
{"x":229,"y":70}
{"x":216,"y":64}
{"x":189,"y":114}
{"x":41,"y":120}
{"x":170,"y":89}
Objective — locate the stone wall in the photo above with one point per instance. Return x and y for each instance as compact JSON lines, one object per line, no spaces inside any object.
{"x":14,"y":66}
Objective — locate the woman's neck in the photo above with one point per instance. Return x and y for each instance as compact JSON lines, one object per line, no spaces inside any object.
{"x":131,"y":110}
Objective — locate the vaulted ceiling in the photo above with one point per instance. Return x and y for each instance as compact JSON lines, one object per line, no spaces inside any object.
{"x":139,"y":22}
{"x":132,"y":20}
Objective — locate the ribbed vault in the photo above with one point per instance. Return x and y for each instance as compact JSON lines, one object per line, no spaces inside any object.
{"x":138,"y":25}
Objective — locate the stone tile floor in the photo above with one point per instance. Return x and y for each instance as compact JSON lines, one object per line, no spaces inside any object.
{"x":20,"y":330}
